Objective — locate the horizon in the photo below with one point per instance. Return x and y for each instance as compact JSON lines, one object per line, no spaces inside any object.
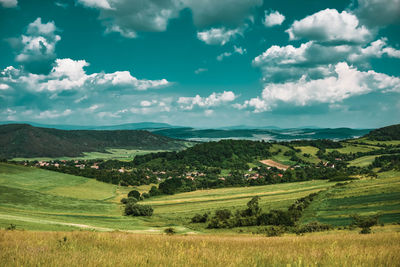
{"x":201,"y":64}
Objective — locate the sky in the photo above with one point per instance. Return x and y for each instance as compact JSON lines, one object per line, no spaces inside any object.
{"x":201,"y":63}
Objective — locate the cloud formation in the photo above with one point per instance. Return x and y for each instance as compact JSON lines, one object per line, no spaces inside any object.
{"x":9,"y":3}
{"x":213,"y":100}
{"x":69,"y":74}
{"x":343,"y":82}
{"x":128,"y":17}
{"x":219,"y":36}
{"x":236,"y":50}
{"x":273,"y":18}
{"x":330,"y":26}
{"x":38,"y":46}
{"x":378,"y":12}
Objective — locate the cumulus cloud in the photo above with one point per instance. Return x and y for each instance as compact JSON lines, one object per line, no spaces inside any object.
{"x":38,"y":46}
{"x":213,"y":100}
{"x":330,"y":26}
{"x":378,"y":12}
{"x":128,"y":17}
{"x":273,"y":18}
{"x":68,"y":74}
{"x":219,"y":36}
{"x":51,"y":114}
{"x":344,"y":82}
{"x":8,"y":3}
{"x":236,"y":50}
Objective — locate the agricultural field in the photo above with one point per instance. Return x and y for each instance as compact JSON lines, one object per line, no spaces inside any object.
{"x":364,"y":197}
{"x":352,"y":148}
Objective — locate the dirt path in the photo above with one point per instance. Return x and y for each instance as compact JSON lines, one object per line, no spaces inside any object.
{"x":275,"y":164}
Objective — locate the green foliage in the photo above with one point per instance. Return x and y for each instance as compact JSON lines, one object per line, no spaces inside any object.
{"x":313,"y":227}
{"x":11,"y":227}
{"x":198,"y":218}
{"x":272,"y":231}
{"x":154,"y":191}
{"x":365,"y":222}
{"x":170,"y":231}
{"x":134,"y":194}
{"x":134,"y":209}
{"x":385,"y":134}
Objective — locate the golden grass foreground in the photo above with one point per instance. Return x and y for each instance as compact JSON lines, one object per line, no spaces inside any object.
{"x":26,"y":248}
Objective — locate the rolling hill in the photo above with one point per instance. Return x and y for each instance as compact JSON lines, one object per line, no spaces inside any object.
{"x":23,"y":140}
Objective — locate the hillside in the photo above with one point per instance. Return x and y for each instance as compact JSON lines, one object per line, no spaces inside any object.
{"x":388,"y":133}
{"x":23,"y":140}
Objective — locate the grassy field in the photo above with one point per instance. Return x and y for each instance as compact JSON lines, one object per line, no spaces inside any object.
{"x":121,"y":249}
{"x":364,"y":197}
{"x":363,"y":161}
{"x":312,"y":151}
{"x":114,"y":153}
{"x":352,"y":148}
{"x":38,"y":199}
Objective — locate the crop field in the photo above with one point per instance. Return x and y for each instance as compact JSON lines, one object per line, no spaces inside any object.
{"x":364,"y":197}
{"x":363,"y":161}
{"x":352,"y":148}
{"x":21,"y":248}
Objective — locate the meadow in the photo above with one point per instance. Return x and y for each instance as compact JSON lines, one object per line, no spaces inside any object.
{"x":21,"y":248}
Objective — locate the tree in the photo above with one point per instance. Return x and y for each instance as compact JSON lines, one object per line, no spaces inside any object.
{"x":134,"y":193}
{"x":154,"y":191}
{"x":134,"y":209}
{"x":365,"y":223}
{"x":252,"y":207}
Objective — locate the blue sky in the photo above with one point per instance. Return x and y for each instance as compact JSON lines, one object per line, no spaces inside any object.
{"x":199,"y":63}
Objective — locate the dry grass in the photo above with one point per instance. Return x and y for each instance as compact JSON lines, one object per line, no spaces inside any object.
{"x":21,"y":248}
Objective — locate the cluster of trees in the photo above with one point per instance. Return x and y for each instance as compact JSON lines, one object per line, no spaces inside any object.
{"x":387,"y":162}
{"x":225,"y":154}
{"x":386,"y":133}
{"x":253,"y":215}
{"x":132,"y":208}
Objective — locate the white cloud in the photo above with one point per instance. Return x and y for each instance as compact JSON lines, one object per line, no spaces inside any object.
{"x":200,"y":70}
{"x":4,"y":86}
{"x":102,"y":4}
{"x":9,"y":3}
{"x":51,"y":114}
{"x":376,"y":49}
{"x":330,"y":26}
{"x":236,"y":50}
{"x":219,"y":36}
{"x":68,"y":74}
{"x":273,"y":18}
{"x":38,"y":44}
{"x":208,"y":112}
{"x":344,"y":82}
{"x":213,"y":100}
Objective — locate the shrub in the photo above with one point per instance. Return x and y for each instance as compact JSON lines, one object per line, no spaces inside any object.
{"x":154,"y":191}
{"x":365,"y":222}
{"x":145,"y":195}
{"x":313,"y":227}
{"x":274,"y":231}
{"x":11,"y":227}
{"x":170,"y":231}
{"x":198,"y":218}
{"x":134,"y":193}
{"x":134,"y":209}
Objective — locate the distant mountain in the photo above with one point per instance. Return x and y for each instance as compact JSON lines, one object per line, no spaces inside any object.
{"x":127,"y":126}
{"x":261,"y":134}
{"x":385,"y":134}
{"x":23,"y":140}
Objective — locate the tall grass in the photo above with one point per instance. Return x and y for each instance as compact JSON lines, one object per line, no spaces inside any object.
{"x":19,"y":248}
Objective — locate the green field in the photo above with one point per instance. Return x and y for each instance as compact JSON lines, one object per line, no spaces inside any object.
{"x":38,"y":199}
{"x":364,"y":197}
{"x":112,"y":153}
{"x":352,"y":148}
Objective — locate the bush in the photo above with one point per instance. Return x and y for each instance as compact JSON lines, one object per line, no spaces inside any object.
{"x":170,"y":231}
{"x":154,"y":191}
{"x":134,"y":209}
{"x":145,"y":195}
{"x":313,"y":227}
{"x":365,"y":222}
{"x":11,"y":227}
{"x":198,"y":218}
{"x":274,"y":231}
{"x":134,"y":193}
